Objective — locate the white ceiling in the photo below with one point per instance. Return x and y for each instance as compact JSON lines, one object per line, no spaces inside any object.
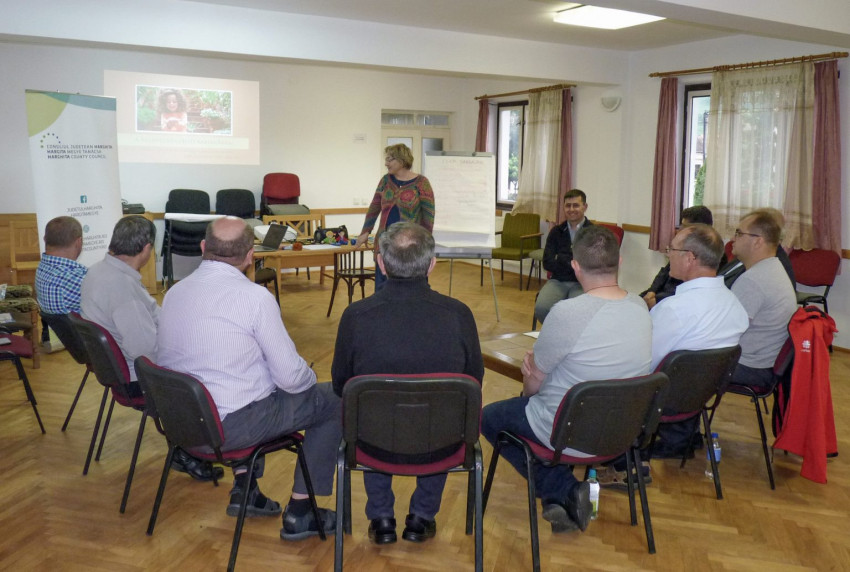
{"x":687,"y":20}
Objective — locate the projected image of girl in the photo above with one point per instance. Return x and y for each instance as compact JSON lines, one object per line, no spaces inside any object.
{"x":172,"y":111}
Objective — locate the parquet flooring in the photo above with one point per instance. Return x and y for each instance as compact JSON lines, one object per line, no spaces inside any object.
{"x":53,"y":518}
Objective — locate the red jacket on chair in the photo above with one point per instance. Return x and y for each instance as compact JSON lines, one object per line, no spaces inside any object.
{"x":809,"y":424}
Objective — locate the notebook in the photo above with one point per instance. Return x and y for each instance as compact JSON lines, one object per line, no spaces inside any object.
{"x":273,"y":238}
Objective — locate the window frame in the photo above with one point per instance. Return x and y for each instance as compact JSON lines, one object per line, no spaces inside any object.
{"x":505,"y":204}
{"x":691,"y":91}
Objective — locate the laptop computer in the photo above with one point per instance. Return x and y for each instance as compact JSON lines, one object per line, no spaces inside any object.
{"x":273,"y":238}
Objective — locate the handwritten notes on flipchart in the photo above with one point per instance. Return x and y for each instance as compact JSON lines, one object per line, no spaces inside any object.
{"x":464,"y":195}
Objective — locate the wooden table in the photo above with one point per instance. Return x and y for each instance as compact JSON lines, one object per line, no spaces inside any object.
{"x":280,"y":259}
{"x":504,"y":354}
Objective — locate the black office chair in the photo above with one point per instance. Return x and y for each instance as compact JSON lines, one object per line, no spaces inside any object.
{"x":431,"y":419}
{"x":696,"y":377}
{"x":183,"y":238}
{"x":189,"y":418}
{"x":61,"y":324}
{"x":236,"y":202}
{"x":605,"y":419}
{"x":16,"y":348}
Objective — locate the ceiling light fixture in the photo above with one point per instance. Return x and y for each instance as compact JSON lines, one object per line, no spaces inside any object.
{"x":605,"y":18}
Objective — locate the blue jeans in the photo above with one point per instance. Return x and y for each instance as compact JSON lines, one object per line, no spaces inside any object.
{"x":424,"y":503}
{"x":553,"y":484}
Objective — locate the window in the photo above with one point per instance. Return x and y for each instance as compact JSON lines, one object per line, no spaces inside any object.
{"x":697,"y":101}
{"x":509,"y":147}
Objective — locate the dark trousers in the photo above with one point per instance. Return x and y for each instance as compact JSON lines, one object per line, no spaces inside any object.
{"x":551,"y":483}
{"x":317,"y":412}
{"x":425,"y":501}
{"x":755,"y":377}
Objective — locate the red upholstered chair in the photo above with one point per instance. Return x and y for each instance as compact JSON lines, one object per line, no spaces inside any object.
{"x":61,"y":324}
{"x":816,"y":267}
{"x":605,"y":419}
{"x":696,"y":377}
{"x":16,"y":348}
{"x":727,"y":248}
{"x":189,"y":418}
{"x":110,"y":368}
{"x":279,"y":189}
{"x":422,"y":418}
{"x":618,"y":231}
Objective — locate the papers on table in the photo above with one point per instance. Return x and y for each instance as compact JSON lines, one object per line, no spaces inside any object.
{"x":190,"y":217}
{"x":320,"y":246}
{"x":534,"y":335}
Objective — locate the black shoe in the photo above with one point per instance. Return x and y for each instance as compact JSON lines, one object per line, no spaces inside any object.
{"x":267,"y":507}
{"x":417,"y":529}
{"x":668,"y":453}
{"x":382,"y":531}
{"x":199,"y":470}
{"x":578,"y":505}
{"x":301,"y":527}
{"x":556,"y":515}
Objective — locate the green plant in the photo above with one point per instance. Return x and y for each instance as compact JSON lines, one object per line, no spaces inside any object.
{"x":699,"y":186}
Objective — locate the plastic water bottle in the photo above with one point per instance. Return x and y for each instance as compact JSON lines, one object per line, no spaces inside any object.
{"x":594,"y":493}
{"x":708,"y":451}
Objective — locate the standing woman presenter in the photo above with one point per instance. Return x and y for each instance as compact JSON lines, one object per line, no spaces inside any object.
{"x":402,"y":195}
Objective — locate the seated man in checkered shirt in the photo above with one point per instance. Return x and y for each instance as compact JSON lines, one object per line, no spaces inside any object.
{"x":59,"y":275}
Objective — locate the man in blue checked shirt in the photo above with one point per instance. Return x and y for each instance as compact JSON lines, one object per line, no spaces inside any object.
{"x":59,"y":275}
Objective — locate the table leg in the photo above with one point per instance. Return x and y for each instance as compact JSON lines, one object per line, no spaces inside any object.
{"x":493,"y":284}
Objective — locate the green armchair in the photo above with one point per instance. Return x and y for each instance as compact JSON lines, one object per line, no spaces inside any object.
{"x":520,"y":235}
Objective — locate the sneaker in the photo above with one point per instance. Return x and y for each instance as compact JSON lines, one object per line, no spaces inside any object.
{"x":418,"y":529}
{"x":301,"y":527}
{"x":578,"y":505}
{"x":556,"y":515}
{"x":268,"y":508}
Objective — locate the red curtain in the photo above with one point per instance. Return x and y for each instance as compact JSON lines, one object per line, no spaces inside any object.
{"x":826,"y":183}
{"x":566,"y":177}
{"x":483,"y":121}
{"x":663,"y":223}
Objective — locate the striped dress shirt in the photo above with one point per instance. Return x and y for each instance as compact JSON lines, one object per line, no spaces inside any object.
{"x":226,"y":331}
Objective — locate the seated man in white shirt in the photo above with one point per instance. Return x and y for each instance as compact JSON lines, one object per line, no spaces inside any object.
{"x":703,"y":314}
{"x":220,"y":327}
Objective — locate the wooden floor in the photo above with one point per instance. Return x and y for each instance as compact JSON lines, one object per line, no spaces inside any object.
{"x":53,"y":518}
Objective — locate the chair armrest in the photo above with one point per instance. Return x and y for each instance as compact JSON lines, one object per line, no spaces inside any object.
{"x":498,"y":232}
{"x":525,"y":237}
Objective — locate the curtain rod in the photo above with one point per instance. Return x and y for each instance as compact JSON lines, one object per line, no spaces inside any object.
{"x":525,"y":91}
{"x":818,"y":57}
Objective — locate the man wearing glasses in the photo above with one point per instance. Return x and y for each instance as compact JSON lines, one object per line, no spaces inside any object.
{"x":766,"y":294}
{"x":703,"y":314}
{"x":732,"y":270}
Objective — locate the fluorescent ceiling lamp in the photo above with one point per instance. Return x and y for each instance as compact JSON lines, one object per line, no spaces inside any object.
{"x":606,"y":18}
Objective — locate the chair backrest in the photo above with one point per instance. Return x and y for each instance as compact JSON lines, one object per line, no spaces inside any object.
{"x":420,"y":417}
{"x":816,"y":267}
{"x":188,"y":201}
{"x":618,"y":231}
{"x":185,"y":409}
{"x":606,"y":417}
{"x":106,"y":359}
{"x":353,"y":262}
{"x":61,"y":324}
{"x":727,"y":248}
{"x":695,"y":376}
{"x":303,"y":224}
{"x":784,"y":359}
{"x":235,"y":202}
{"x":517,"y":225}
{"x":280,"y":188}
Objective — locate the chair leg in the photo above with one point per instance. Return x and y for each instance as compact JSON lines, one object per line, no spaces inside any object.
{"x":491,"y":471}
{"x":30,"y":395}
{"x":333,"y":295}
{"x":470,"y":501}
{"x":105,"y":429}
{"x":767,"y":459}
{"x":340,"y":507}
{"x":96,"y":429}
{"x":76,"y":398}
{"x":133,"y":460}
{"x":479,"y":511}
{"x":530,"y":272}
{"x":644,"y":502}
{"x":532,"y":511}
{"x":630,"y":470}
{"x":243,"y":508}
{"x":276,"y":290}
{"x":311,"y":494}
{"x":347,"y":510}
{"x":520,"y":274}
{"x":709,"y":447}
{"x":161,"y":490}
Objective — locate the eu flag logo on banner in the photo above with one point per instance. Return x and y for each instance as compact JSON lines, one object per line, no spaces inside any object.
{"x":84,"y":199}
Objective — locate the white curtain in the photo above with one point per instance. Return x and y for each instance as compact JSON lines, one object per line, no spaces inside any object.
{"x":759,"y":151}
{"x":541,"y":165}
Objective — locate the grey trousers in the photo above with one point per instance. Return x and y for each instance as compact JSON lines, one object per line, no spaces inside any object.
{"x":317,"y":412}
{"x":553,"y":292}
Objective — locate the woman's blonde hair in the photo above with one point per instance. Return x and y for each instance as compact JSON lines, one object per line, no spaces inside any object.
{"x":401,"y":152}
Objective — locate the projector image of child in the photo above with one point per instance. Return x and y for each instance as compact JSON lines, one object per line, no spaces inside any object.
{"x":172,"y":111}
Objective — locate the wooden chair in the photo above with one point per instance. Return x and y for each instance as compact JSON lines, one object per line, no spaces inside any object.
{"x":349,"y":268}
{"x":24,"y":252}
{"x":304,"y":226}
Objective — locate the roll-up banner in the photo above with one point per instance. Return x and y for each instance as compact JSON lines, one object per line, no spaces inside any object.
{"x":74,"y":156}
